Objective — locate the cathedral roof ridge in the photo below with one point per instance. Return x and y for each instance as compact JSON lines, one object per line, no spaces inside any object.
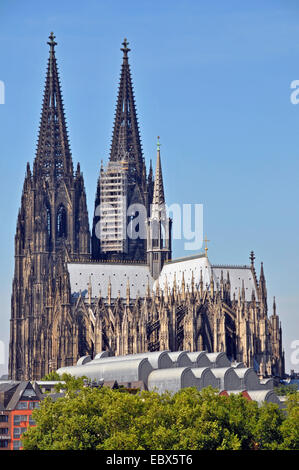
{"x":186,"y":258}
{"x":236,"y":266}
{"x":107,"y":261}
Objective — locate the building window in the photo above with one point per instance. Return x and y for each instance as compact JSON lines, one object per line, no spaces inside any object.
{"x":17,"y":432}
{"x":61,"y":222}
{"x":31,"y":421}
{"x":22,"y":405}
{"x":29,"y":393}
{"x":18,"y":419}
{"x":49,"y":221}
{"x":17,"y":445}
{"x":3,"y":443}
{"x":3,"y":431}
{"x":3,"y":418}
{"x":35,"y":404}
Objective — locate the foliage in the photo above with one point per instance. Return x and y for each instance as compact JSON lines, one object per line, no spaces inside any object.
{"x":67,"y":382}
{"x":101,"y":418}
{"x":283,"y":390}
{"x":52,"y":376}
{"x":290,"y":427}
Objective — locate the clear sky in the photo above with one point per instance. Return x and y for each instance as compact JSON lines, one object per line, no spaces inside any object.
{"x":212,"y":78}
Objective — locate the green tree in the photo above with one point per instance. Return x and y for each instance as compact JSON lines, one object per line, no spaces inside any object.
{"x":290,"y":426}
{"x":283,"y":390}
{"x":52,"y":376}
{"x":92,"y":418}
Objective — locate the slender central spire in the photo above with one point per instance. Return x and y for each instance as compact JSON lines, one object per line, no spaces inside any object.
{"x":158,"y":196}
{"x":126,"y":143}
{"x":53,"y":157}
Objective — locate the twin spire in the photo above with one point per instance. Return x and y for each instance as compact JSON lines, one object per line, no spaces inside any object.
{"x":126,"y":144}
{"x":53,"y":156}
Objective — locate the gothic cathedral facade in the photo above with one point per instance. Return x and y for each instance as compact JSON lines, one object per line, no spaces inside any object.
{"x":77,"y":292}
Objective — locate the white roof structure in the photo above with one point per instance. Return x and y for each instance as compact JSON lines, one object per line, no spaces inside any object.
{"x":157,"y":359}
{"x":166,"y":371}
{"x":101,"y":355}
{"x":237,"y":274}
{"x":228,"y":379}
{"x":180,"y":359}
{"x":249,"y":379}
{"x":131,"y":370}
{"x":205,"y":378}
{"x":264,"y":396}
{"x":218,"y":359}
{"x":176,"y":268}
{"x":267,"y":384}
{"x":171,"y":380}
{"x":99,"y":274}
{"x":83,"y":360}
{"x":199,"y":359}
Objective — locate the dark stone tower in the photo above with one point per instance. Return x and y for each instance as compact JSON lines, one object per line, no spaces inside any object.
{"x":123,"y":183}
{"x":52,"y":227}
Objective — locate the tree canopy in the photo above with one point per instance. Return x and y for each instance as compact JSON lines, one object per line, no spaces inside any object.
{"x":101,"y":418}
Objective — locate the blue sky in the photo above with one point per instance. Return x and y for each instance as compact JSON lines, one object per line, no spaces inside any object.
{"x":211,"y":78}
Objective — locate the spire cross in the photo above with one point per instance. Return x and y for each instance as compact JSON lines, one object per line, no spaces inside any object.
{"x":206,"y":246}
{"x":125,"y":49}
{"x":52,"y":42}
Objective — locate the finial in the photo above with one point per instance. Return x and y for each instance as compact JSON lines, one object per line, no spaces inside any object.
{"x":52,"y":42}
{"x":125,"y":49}
{"x":262,"y":270}
{"x":252,"y":258}
{"x":274,"y":306}
{"x":206,"y":246}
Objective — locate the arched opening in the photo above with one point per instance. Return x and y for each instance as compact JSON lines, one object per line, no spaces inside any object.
{"x":61,"y":228}
{"x":49,"y":221}
{"x":83,"y":343}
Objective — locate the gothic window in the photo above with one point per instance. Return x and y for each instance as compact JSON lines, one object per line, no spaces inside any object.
{"x":61,"y":228}
{"x":83,"y":348}
{"x":49,"y":221}
{"x":155,"y":231}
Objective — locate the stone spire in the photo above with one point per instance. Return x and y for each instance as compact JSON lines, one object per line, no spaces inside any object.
{"x":274,"y":306}
{"x":158,"y":196}
{"x":126,"y":138}
{"x":53,"y":156}
{"x":262,"y":288}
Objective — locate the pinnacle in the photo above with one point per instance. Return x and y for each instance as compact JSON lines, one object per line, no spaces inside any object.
{"x":158,"y":196}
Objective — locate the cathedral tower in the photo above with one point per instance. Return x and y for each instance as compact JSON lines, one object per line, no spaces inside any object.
{"x":123,"y":192}
{"x":52,"y":227}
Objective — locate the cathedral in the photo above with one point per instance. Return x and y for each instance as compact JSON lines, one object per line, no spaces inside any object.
{"x":78,"y":291}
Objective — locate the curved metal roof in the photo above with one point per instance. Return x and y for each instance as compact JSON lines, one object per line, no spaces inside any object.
{"x":157,"y":359}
